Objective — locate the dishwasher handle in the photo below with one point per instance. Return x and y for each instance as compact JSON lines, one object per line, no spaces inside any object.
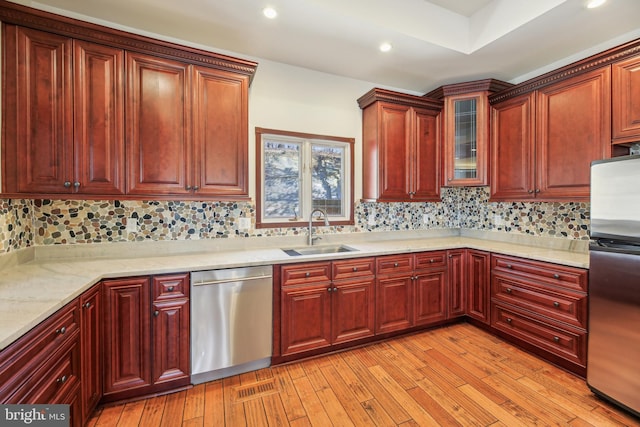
{"x":230,"y":280}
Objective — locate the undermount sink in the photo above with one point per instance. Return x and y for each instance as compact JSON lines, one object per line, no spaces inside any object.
{"x":315,"y":250}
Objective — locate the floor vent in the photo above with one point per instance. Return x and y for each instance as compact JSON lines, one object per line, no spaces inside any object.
{"x":255,"y":390}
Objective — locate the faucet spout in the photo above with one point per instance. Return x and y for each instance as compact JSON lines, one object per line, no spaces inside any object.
{"x":311,"y":239}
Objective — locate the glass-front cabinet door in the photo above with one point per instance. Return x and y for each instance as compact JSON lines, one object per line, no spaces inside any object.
{"x":466,"y":136}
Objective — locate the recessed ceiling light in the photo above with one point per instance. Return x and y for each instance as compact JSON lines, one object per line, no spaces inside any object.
{"x":595,"y":3}
{"x":385,"y":47}
{"x":269,"y":12}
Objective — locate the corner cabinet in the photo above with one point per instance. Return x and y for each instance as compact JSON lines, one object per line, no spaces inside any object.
{"x":93,"y":111}
{"x":465,"y":151}
{"x":401,"y":147}
{"x":543,"y":142}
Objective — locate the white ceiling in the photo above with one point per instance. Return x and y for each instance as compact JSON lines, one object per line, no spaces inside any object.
{"x":434,"y":41}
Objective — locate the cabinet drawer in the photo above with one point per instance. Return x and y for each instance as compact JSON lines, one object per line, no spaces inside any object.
{"x":566,"y":342}
{"x":358,"y":267}
{"x":170,"y":286}
{"x":23,"y":357}
{"x":53,"y":379}
{"x":557,"y":275}
{"x":431,"y":260}
{"x":394,"y":264}
{"x":561,"y":305}
{"x":306,"y":273}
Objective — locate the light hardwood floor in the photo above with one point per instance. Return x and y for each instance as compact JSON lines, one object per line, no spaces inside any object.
{"x":453,"y":376}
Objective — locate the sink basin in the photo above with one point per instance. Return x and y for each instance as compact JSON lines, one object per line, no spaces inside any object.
{"x":315,"y":250}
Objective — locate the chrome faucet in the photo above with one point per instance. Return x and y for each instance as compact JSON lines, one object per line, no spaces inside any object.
{"x":326,"y":222}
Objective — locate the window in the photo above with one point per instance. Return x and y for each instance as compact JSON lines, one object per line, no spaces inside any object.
{"x":299,"y":172}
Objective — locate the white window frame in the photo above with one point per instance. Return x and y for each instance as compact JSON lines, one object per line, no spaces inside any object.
{"x":301,"y":217}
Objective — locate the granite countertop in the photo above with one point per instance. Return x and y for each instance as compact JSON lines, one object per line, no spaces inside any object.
{"x":36,"y":286}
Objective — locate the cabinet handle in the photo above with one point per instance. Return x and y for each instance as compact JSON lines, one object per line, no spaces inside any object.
{"x":188,"y":188}
{"x":509,"y":266}
{"x":76,"y":185}
{"x":61,"y":331}
{"x":556,"y":276}
{"x":329,"y":289}
{"x":556,"y":304}
{"x":87,"y":304}
{"x":432,"y":260}
{"x":355,"y":269}
{"x":307,"y":274}
{"x":196,"y":188}
{"x":62,"y":379}
{"x":156,"y":313}
{"x":530,"y":191}
{"x":537,"y":190}
{"x":509,"y":320}
{"x":170,"y":289}
{"x":335,"y":289}
{"x":67,"y":184}
{"x":556,"y":339}
{"x":508,"y":290}
{"x":395,"y":264}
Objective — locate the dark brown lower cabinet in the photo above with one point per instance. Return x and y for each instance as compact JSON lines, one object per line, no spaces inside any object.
{"x":146,"y":336}
{"x":91,"y":349}
{"x":478,"y":277}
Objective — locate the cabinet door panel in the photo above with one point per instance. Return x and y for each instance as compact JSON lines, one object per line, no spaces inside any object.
{"x":626,"y":100}
{"x":574,"y":125}
{"x":37,"y":156}
{"x":478,"y":279}
{"x":99,"y":118}
{"x":395,"y":152}
{"x":170,"y":340}
{"x":158,"y":135}
{"x":306,"y":319}
{"x":427,"y":154}
{"x":430,"y":297}
{"x":91,"y":349}
{"x":513,"y":149}
{"x":394,"y":304}
{"x":457,"y":283}
{"x":353,"y":310}
{"x":220,"y":132}
{"x":127,"y":333}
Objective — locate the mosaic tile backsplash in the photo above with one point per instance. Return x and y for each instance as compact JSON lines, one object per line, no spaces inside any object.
{"x":25,"y":223}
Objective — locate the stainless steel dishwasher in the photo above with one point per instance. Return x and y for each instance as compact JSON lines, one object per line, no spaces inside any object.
{"x":231,"y":322}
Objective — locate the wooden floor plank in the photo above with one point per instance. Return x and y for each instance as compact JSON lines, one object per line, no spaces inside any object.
{"x":451,"y":376}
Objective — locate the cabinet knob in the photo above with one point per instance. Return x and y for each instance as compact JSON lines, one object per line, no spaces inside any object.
{"x":61,"y":331}
{"x":508,"y":290}
{"x":355,"y":269}
{"x":62,"y":379}
{"x":556,"y":276}
{"x":556,"y":304}
{"x":196,"y":188}
{"x":76,"y":185}
{"x":335,"y":289}
{"x":395,"y":264}
{"x":329,"y":289}
{"x":87,"y":304}
{"x":67,"y":184}
{"x":188,"y":188}
{"x":509,"y":320}
{"x":307,"y":274}
{"x":556,"y":339}
{"x":530,"y":191}
{"x":509,"y":266}
{"x":156,"y":313}
{"x":170,"y":289}
{"x":537,"y":190}
{"x":432,"y":260}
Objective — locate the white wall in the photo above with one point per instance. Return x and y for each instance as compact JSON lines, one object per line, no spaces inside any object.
{"x":295,"y":99}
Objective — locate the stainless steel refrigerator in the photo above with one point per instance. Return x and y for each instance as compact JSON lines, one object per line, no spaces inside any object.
{"x":613,"y":364}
